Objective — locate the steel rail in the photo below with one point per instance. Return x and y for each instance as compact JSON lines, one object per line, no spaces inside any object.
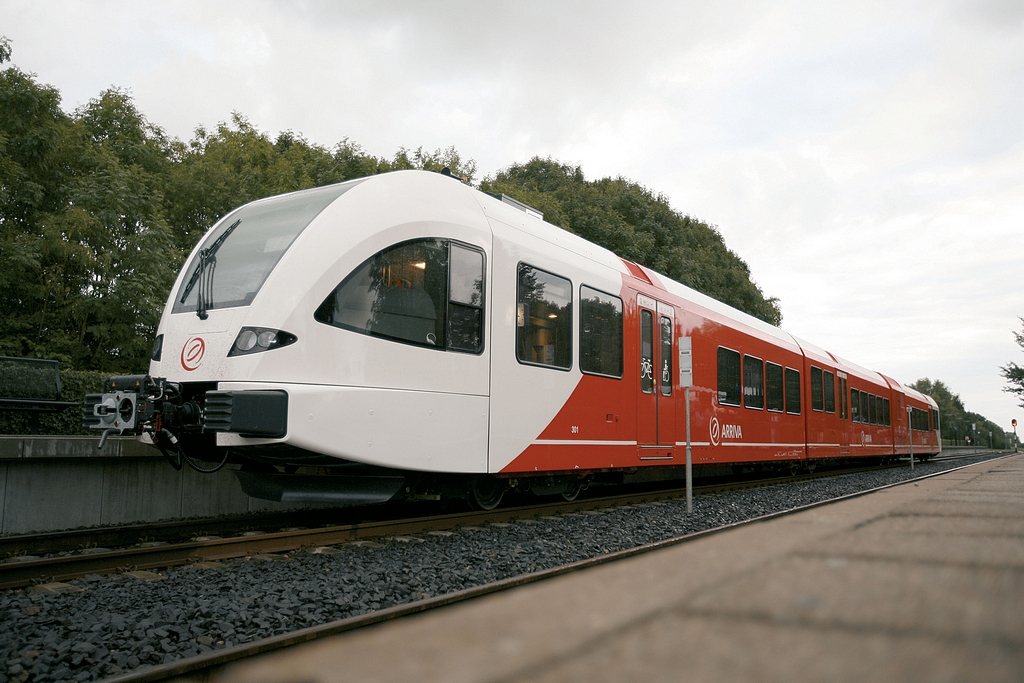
{"x":16,"y":573}
{"x":129,"y":534}
{"x":204,"y":666}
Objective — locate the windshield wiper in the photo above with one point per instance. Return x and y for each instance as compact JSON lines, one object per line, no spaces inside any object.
{"x":207,"y":259}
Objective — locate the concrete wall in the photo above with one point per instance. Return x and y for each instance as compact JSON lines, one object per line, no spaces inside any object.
{"x":49,"y":483}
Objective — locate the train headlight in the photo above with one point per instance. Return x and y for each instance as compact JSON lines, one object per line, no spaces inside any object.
{"x":259,"y":339}
{"x":267,"y":338}
{"x":246,"y":340}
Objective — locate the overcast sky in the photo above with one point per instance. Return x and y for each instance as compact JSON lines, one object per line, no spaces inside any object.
{"x":866,"y":160}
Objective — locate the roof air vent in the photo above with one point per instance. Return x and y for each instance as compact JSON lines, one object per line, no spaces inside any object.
{"x":504,"y":198}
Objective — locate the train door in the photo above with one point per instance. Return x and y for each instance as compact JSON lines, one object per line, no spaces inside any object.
{"x":656,"y":415}
{"x":844,"y":414}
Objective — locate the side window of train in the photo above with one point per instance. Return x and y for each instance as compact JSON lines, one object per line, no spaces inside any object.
{"x":466,"y":300}
{"x":774,"y":394}
{"x":886,"y":412}
{"x":729,"y":391}
{"x":854,"y":405}
{"x":646,"y":352}
{"x":872,"y":409}
{"x":816,"y":402}
{"x":600,"y":333}
{"x":666,"y":356}
{"x":428,"y":292}
{"x":829,"y":387}
{"x":841,"y":386}
{"x":753,"y":382}
{"x":543,"y":318}
{"x":792,"y":391}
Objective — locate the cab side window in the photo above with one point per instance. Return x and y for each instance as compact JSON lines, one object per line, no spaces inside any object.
{"x":466,"y":300}
{"x":427,"y":292}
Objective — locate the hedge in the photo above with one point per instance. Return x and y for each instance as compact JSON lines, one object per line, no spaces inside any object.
{"x":75,"y":384}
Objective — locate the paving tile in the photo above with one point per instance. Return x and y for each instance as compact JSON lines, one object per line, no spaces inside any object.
{"x":938,"y":547}
{"x":955,"y":508}
{"x":677,"y":647}
{"x":898,"y":523}
{"x":934,"y":601}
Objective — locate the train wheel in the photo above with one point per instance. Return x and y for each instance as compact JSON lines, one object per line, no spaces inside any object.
{"x":485,"y":493}
{"x":573,"y":491}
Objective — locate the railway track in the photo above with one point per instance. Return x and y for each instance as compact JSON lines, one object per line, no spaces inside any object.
{"x":142,"y":551}
{"x":205,"y":667}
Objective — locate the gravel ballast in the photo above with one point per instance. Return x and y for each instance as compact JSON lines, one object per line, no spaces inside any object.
{"x":107,"y":625}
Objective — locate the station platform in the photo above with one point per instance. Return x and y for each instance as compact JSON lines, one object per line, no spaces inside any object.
{"x":919,"y":582}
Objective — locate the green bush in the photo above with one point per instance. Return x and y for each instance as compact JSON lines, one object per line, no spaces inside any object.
{"x":75,"y":384}
{"x":27,"y":378}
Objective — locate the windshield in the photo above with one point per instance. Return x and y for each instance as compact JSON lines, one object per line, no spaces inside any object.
{"x":248,"y":243}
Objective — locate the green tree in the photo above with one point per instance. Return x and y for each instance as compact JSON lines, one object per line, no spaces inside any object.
{"x":87,"y":251}
{"x":237,"y":163}
{"x":36,"y":151}
{"x":955,"y":420}
{"x":1013,"y":373}
{"x":639,"y":225}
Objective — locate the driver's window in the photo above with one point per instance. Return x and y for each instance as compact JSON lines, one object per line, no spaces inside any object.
{"x":427,"y":292}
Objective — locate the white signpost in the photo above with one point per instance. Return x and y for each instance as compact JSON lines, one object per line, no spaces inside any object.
{"x":686,"y":381}
{"x":910,"y":429}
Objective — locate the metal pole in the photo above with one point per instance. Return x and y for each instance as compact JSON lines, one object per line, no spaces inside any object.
{"x":910,"y":426}
{"x":689,"y":457}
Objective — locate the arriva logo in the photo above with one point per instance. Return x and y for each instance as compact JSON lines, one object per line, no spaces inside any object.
{"x":719,"y":431}
{"x":192,"y":353}
{"x":732,"y":432}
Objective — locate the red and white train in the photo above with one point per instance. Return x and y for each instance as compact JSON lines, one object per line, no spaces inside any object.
{"x":408,"y":335}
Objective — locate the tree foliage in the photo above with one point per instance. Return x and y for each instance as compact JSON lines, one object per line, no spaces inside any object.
{"x":88,"y":254}
{"x":955,"y":420}
{"x":99,"y":209}
{"x":1013,"y":373}
{"x":218,"y":171}
{"x":630,"y":220}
